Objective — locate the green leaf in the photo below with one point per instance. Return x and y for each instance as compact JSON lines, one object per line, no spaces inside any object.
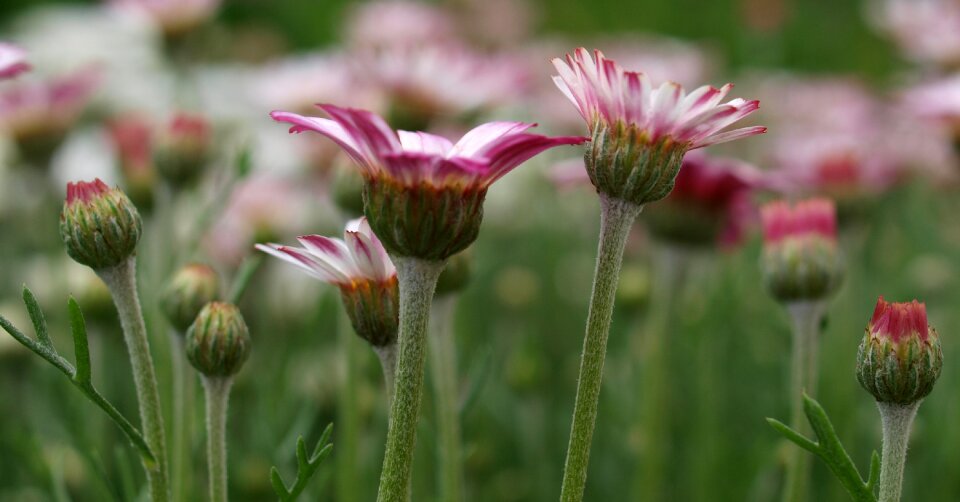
{"x":82,"y":351}
{"x":244,"y":162}
{"x":874,"y":471}
{"x":829,"y":448}
{"x":793,"y":436}
{"x":79,"y":376}
{"x":36,"y":316}
{"x":306,"y":467}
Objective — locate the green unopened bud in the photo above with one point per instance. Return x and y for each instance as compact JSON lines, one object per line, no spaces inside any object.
{"x":801,"y":259}
{"x":192,"y":287}
{"x":456,"y":275}
{"x":99,"y":225}
{"x":218,"y":342}
{"x":182,"y":151}
{"x":900,"y":358}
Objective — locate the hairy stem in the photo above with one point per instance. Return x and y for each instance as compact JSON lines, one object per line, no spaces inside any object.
{"x":443,"y":365}
{"x":418,"y":279}
{"x":387,"y":355}
{"x":348,"y":420}
{"x":805,"y":318}
{"x":217,"y":390}
{"x":616,"y":219}
{"x":122,"y":282}
{"x":896,"y":420}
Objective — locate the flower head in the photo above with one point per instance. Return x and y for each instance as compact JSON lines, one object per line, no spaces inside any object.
{"x":641,"y":133}
{"x":99,"y":225}
{"x":358,"y":265}
{"x":190,"y":289}
{"x":182,"y":148}
{"x":423,"y":193}
{"x":218,"y":341}
{"x":13,"y":61}
{"x":801,"y":260}
{"x":131,"y":138}
{"x":37,"y":113}
{"x":938,"y":101}
{"x":900,"y":357}
{"x":926,"y":30}
{"x":404,"y":23}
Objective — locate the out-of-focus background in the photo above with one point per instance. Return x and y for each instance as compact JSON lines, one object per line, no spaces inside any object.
{"x":860,"y":105}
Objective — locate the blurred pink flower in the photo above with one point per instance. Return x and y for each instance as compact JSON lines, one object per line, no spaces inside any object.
{"x":358,"y":257}
{"x":927,"y":31}
{"x":793,"y":102}
{"x":938,"y":100}
{"x":449,"y":81}
{"x":261,"y":208}
{"x":39,"y":108}
{"x":605,"y":93}
{"x":399,"y":23}
{"x":482,"y":155}
{"x":13,"y":61}
{"x":811,"y":217}
{"x":172,"y":16}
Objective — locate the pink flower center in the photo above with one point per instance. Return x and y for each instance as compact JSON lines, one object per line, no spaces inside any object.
{"x":898,"y":321}
{"x":84,"y":191}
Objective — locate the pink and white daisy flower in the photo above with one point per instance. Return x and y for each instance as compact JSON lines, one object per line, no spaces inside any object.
{"x":13,"y":61}
{"x":927,"y":31}
{"x":406,"y":23}
{"x":605,"y":93}
{"x":358,"y":265}
{"x":938,"y":100}
{"x":482,"y":156}
{"x":423,"y":193}
{"x":357,"y":258}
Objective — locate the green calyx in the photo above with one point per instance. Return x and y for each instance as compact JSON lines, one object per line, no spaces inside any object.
{"x":423,"y":221}
{"x":191,"y":288}
{"x":901,"y":372}
{"x":373,"y":309}
{"x":181,"y":163}
{"x":218,"y":342}
{"x":101,"y":232}
{"x":802,"y":268}
{"x":624,"y":164}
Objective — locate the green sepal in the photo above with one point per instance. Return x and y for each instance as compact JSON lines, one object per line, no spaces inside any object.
{"x":306,"y":467}
{"x":831,"y":451}
{"x":80,"y":375}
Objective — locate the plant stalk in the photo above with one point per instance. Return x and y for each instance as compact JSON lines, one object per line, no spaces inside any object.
{"x":418,"y":280}
{"x":443,"y":365}
{"x":217,"y":391}
{"x":388,"y":361}
{"x":897,"y":420}
{"x":122,"y":282}
{"x":805,"y":318}
{"x":616,"y":219}
{"x":182,"y":440}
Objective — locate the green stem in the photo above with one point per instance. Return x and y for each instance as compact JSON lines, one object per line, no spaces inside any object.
{"x":217,"y":391}
{"x":616,"y":219}
{"x":182,"y":412}
{"x":897,"y":420}
{"x":805,"y":318}
{"x":122,"y":282}
{"x":388,"y":361}
{"x":443,"y":365}
{"x":418,"y":279}
{"x":671,"y":265}
{"x":348,"y":421}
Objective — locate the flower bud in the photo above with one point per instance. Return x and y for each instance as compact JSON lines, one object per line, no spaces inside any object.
{"x":99,"y":225}
{"x":900,"y":357}
{"x":801,"y":260}
{"x":218,"y":342}
{"x":182,"y":150}
{"x":192,"y":287}
{"x":456,"y":275}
